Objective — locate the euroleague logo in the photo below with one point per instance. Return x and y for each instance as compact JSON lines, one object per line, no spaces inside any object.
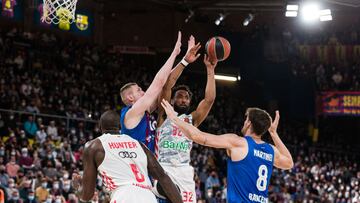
{"x":129,"y":155}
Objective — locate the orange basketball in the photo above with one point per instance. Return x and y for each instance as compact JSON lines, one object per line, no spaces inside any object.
{"x":218,"y":48}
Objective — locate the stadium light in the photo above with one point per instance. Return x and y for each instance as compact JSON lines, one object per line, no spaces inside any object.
{"x":226,"y":78}
{"x":325,"y":15}
{"x":326,"y":18}
{"x":325,"y":12}
{"x":291,"y":10}
{"x":248,"y":19}
{"x":191,"y":14}
{"x":310,"y":12}
{"x":291,"y":13}
{"x":220,"y":19}
{"x":292,"y":7}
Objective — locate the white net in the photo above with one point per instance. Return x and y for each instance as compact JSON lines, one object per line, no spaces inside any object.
{"x":59,"y":11}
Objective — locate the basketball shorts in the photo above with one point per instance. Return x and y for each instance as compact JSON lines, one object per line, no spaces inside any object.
{"x":132,"y":194}
{"x":183,"y":178}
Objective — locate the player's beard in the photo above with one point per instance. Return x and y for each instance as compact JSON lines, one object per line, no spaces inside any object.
{"x":181,"y":109}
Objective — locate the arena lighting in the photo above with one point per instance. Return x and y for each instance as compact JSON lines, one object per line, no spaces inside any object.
{"x":326,"y":18}
{"x":310,"y":12}
{"x":325,"y":15}
{"x":292,"y":10}
{"x":292,"y":7}
{"x":325,"y":12}
{"x":291,"y":13}
{"x":248,"y":19}
{"x":226,"y":78}
{"x":220,"y":19}
{"x":191,"y":14}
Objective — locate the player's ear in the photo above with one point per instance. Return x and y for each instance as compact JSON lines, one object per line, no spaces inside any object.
{"x":130,"y":97}
{"x":172,"y":101}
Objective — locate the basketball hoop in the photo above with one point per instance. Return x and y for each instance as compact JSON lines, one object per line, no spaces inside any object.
{"x":59,"y":11}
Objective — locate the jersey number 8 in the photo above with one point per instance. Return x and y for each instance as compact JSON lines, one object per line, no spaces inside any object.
{"x":262,"y":179}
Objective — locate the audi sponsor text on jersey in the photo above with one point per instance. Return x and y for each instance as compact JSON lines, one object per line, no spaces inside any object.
{"x":126,"y":154}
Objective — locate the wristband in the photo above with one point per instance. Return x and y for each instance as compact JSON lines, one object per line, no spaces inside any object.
{"x":184,"y":62}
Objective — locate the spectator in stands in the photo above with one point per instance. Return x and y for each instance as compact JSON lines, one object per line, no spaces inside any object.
{"x":30,"y":127}
{"x":15,"y":197}
{"x":66,"y":188}
{"x":52,"y":131}
{"x":25,"y":161}
{"x":41,"y":135}
{"x":42,"y":192}
{"x":24,"y":189}
{"x":12,"y":187}
{"x":12,"y":167}
{"x":56,"y":190}
{"x":4,"y":177}
{"x":32,"y":108}
{"x":31,"y":197}
{"x":212,"y":181}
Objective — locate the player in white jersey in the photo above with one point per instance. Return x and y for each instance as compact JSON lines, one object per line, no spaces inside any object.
{"x":173,"y":148}
{"x":124,"y":165}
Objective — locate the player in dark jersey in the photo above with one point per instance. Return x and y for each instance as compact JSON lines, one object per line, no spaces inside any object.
{"x":250,"y":160}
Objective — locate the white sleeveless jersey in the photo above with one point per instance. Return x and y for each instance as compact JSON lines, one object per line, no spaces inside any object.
{"x":124,"y":169}
{"x":173,"y":153}
{"x":173,"y":147}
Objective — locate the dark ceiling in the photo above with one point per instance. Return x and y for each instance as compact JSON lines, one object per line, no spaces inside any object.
{"x":261,"y":5}
{"x":221,"y":5}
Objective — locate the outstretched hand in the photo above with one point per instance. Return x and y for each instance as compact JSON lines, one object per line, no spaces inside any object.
{"x":191,"y":53}
{"x":171,"y":114}
{"x":210,"y":64}
{"x":275,"y":123}
{"x":177,"y":48}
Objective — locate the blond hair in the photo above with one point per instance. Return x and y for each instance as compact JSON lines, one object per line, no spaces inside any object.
{"x":123,"y":90}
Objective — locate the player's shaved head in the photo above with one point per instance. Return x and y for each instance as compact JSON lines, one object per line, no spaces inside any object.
{"x":110,"y":121}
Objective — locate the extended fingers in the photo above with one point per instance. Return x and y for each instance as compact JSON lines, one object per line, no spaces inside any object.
{"x":179,"y":37}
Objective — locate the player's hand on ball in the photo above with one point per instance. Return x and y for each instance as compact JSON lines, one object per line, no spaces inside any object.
{"x":168,"y":109}
{"x":275,"y":123}
{"x":191,"y":53}
{"x":210,"y":64}
{"x":177,"y":48}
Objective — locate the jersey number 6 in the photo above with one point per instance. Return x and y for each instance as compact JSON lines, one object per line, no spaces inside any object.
{"x":138,"y":175}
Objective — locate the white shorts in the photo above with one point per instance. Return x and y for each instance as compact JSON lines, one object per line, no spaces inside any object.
{"x":132,"y":194}
{"x":183,"y":177}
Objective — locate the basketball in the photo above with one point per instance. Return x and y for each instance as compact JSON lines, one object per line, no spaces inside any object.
{"x":218,"y":48}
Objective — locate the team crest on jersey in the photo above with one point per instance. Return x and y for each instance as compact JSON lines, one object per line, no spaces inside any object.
{"x":82,"y":22}
{"x":152,"y":123}
{"x":187,"y":120}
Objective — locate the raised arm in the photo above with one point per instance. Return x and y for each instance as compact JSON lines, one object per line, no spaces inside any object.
{"x":145,"y":103}
{"x":283,"y":158}
{"x":190,"y":56}
{"x":155,"y":170}
{"x":205,"y":105}
{"x":225,"y":141}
